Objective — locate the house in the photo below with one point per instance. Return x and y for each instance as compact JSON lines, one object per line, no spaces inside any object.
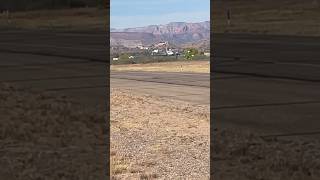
{"x":170,"y":52}
{"x":161,"y":44}
{"x":206,"y":54}
{"x":143,"y":47}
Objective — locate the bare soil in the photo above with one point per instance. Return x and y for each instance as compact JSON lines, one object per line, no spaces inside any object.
{"x":179,"y":66}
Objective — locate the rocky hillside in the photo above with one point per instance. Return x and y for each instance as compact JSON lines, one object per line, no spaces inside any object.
{"x":177,"y":33}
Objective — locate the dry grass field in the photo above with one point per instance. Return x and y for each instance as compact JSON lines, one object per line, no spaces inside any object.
{"x":178,"y":66}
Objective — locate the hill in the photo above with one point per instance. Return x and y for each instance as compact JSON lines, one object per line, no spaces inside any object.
{"x":176,"y":33}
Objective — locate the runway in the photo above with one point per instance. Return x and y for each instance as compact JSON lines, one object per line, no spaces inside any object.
{"x":75,"y":64}
{"x":193,"y":88}
{"x":286,"y":57}
{"x":267,"y":84}
{"x":70,"y":64}
{"x":77,"y":45}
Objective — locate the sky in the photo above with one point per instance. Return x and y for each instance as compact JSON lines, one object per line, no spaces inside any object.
{"x":138,"y":13}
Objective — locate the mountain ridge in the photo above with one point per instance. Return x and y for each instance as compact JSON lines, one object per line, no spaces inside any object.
{"x":177,"y":33}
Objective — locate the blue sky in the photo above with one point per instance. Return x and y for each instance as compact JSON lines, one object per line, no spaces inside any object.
{"x":137,"y":13}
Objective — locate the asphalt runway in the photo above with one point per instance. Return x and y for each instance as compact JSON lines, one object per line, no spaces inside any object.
{"x":78,"y":45}
{"x":71,"y":64}
{"x":75,"y":64}
{"x":193,"y":88}
{"x":286,"y":57}
{"x":267,"y":84}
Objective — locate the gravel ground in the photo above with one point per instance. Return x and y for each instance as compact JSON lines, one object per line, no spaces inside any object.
{"x":247,"y":156}
{"x":158,"y":138}
{"x":46,"y":136}
{"x":153,"y":138}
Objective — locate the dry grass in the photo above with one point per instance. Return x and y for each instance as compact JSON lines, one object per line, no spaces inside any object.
{"x":66,"y":19}
{"x":120,"y":168}
{"x":118,"y":164}
{"x":294,"y":17}
{"x":181,"y":66}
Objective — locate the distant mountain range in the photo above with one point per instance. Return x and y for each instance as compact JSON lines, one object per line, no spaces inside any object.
{"x":176,"y":33}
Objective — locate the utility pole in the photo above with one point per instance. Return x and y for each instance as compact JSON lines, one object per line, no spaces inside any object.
{"x":7,"y":14}
{"x":228,"y":17}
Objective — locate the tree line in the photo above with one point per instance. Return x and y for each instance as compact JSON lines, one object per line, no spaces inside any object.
{"x":23,"y":5}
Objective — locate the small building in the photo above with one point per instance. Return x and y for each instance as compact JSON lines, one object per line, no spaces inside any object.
{"x":170,"y":53}
{"x":206,"y":54}
{"x":143,"y":47}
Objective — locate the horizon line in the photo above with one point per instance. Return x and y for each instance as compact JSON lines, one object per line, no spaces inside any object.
{"x":160,"y":24}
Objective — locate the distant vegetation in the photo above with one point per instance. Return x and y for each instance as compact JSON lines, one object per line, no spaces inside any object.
{"x":142,"y":59}
{"x":23,"y":5}
{"x":190,"y":53}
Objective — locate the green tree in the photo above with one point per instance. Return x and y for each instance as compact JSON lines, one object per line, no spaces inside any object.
{"x":190,"y":52}
{"x":124,"y":56}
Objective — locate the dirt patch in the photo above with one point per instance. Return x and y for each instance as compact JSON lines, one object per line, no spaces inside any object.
{"x":159,"y":138}
{"x":46,"y":136}
{"x":185,"y":66}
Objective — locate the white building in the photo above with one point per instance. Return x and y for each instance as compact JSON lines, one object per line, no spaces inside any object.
{"x":143,"y":47}
{"x":170,"y":53}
